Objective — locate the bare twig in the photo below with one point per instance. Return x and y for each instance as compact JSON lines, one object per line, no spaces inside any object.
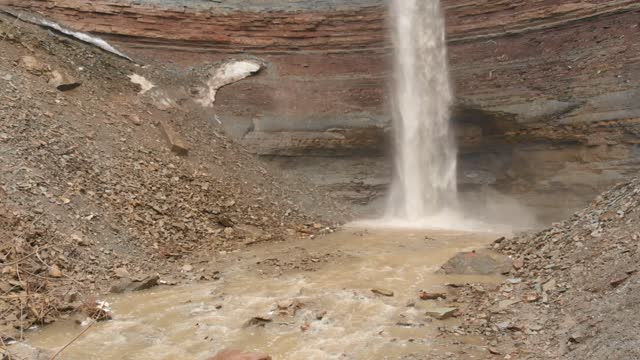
{"x":25,"y":257}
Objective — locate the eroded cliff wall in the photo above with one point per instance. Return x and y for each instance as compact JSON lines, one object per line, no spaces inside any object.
{"x":548,"y":91}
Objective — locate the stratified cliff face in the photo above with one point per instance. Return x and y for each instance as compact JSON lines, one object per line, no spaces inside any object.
{"x":548,"y":90}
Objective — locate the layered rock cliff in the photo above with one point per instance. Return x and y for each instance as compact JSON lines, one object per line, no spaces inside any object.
{"x":547,"y":90}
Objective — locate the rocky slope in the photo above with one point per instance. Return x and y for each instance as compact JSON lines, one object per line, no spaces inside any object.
{"x":90,"y":190}
{"x":574,"y":287}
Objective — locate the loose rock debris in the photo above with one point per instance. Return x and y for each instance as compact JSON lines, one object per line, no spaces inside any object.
{"x":88,"y":189}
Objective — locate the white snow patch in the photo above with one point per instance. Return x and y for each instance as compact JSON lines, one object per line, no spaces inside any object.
{"x":226,"y":74}
{"x":145,"y":85}
{"x":84,"y":37}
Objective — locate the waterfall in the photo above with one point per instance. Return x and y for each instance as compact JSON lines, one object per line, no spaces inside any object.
{"x":424,"y":182}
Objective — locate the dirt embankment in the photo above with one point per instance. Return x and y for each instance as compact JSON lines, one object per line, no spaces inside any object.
{"x":91,"y":192}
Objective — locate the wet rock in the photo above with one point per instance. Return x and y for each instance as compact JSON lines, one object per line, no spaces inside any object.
{"x":239,"y":355}
{"x":146,"y":283}
{"x":432,"y":295}
{"x":120,"y":286}
{"x":441,"y":313}
{"x":383,"y":292}
{"x":126,"y":284}
{"x":482,"y":262}
{"x":98,"y":310}
{"x":28,"y":352}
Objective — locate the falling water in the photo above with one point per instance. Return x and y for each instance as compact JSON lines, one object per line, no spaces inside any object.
{"x":424,"y":184}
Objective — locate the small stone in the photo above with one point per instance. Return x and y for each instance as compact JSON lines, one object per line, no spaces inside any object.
{"x":441,"y":313}
{"x":225,"y":221}
{"x":506,"y":303}
{"x":187,"y":268}
{"x":619,"y":280}
{"x":577,"y":338}
{"x":533,"y":297}
{"x":63,"y":82}
{"x":122,"y":273}
{"x":518,"y":263}
{"x":79,"y":240}
{"x":382,"y":292}
{"x":536,"y":327}
{"x":72,"y":297}
{"x":54,"y":271}
{"x":432,"y":296}
{"x":146,"y":283}
{"x":135,"y":120}
{"x":257,"y":321}
{"x":549,"y":285}
{"x":494,"y":351}
{"x":176,"y":143}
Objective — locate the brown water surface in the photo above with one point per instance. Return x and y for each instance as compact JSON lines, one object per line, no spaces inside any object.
{"x":194,"y":321}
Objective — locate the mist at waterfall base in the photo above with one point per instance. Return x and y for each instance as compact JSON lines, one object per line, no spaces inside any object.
{"x":423,"y":191}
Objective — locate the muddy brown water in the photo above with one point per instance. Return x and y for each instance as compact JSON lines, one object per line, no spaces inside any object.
{"x":328,"y":313}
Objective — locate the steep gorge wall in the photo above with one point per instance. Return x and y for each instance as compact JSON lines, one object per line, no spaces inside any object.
{"x":548,"y":90}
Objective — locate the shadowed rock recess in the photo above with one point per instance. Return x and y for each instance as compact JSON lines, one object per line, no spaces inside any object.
{"x":546,"y":90}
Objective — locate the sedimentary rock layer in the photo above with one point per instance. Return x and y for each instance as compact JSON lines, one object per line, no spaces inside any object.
{"x":560,"y":61}
{"x":539,"y":83}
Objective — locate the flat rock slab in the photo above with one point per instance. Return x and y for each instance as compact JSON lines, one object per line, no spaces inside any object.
{"x":383,"y":292}
{"x":482,"y":262}
{"x":441,"y":313}
{"x":177,"y":144}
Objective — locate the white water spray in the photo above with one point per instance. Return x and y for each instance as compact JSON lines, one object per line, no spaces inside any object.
{"x":424,"y":184}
